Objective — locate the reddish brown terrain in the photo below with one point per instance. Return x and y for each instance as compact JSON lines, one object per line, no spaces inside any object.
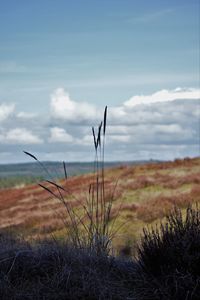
{"x":143,"y":194}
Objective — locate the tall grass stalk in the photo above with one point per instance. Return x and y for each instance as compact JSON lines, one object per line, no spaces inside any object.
{"x":92,"y":228}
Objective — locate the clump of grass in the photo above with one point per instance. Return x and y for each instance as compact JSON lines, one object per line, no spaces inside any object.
{"x":90,"y":227}
{"x":169,"y":259}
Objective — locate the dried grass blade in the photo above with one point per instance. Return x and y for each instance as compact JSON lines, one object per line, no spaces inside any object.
{"x":94,"y":136}
{"x":56,"y":185}
{"x":65,"y":170}
{"x":48,"y":190}
{"x":31,"y":155}
{"x":104,"y":120}
{"x":99,"y":135}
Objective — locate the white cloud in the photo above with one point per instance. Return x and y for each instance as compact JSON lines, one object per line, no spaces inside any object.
{"x":164,"y":96}
{"x":120,"y":138}
{"x":60,"y":135}
{"x":62,"y":107}
{"x":6,"y":111}
{"x":117,"y":113}
{"x":170,"y":128}
{"x":116,"y":129}
{"x":19,"y":136}
{"x":87,"y":140}
{"x":26,"y":115}
{"x":153,"y":126}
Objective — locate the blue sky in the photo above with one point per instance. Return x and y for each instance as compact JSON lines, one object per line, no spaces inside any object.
{"x":99,"y":53}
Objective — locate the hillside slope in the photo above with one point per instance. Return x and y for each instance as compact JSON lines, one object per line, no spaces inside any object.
{"x":143,"y":195}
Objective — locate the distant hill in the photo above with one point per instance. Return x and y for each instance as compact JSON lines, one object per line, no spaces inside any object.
{"x":56,"y":168}
{"x":26,"y":173}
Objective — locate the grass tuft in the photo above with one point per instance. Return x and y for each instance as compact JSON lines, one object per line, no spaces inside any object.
{"x":91,"y":228}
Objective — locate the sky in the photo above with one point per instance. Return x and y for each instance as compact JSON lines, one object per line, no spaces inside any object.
{"x":62,"y":62}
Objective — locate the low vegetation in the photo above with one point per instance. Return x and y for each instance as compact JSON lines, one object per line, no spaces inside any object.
{"x":169,"y":259}
{"x":52,"y":270}
{"x":167,"y":267}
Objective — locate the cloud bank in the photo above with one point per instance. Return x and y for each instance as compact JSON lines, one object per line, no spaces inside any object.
{"x":164,"y":96}
{"x":163,"y":125}
{"x":63,"y":107}
{"x":19,"y":136}
{"x":6,"y":111}
{"x":59,"y":135}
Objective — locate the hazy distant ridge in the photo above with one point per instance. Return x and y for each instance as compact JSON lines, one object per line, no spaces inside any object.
{"x":54,"y":168}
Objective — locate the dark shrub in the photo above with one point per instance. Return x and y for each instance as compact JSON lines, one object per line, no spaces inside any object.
{"x":54,"y":270}
{"x":169,"y":259}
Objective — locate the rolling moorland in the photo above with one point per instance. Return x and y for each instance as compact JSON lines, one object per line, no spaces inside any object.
{"x":142,"y":195}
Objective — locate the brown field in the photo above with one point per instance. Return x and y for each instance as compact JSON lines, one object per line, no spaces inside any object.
{"x":143,"y":195}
